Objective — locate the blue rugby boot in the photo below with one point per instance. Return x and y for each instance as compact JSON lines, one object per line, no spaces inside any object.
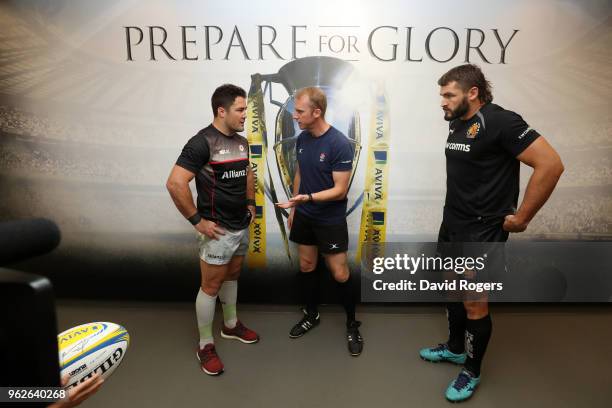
{"x":463,"y":387}
{"x":441,"y":353}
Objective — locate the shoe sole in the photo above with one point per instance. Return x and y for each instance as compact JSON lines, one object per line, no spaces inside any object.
{"x":459,"y":401}
{"x":356,"y":354}
{"x":232,"y":337}
{"x":205,"y":370}
{"x":443,"y":361}
{"x":463,"y":400}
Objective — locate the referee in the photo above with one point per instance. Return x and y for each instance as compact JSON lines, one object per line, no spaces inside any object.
{"x":485,"y":146}
{"x":318,"y":211}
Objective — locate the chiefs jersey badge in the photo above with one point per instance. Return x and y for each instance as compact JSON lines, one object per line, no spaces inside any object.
{"x":473,"y":130}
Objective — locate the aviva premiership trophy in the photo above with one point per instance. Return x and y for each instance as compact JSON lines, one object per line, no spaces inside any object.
{"x":329,"y":74}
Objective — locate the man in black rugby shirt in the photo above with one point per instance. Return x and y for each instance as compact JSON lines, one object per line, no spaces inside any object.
{"x":218,"y":159}
{"x":484,"y":149}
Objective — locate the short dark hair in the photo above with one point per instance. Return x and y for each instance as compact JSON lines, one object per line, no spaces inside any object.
{"x":224,"y":96}
{"x":468,"y":76}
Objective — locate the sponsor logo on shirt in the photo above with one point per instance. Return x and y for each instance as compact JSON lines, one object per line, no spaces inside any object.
{"x":522,"y":135}
{"x":212,"y":256}
{"x":462,"y":147}
{"x":231,"y":174}
{"x":300,"y":151}
{"x":322,"y":157}
{"x":241,"y":147}
{"x":473,"y":130}
{"x":224,"y":151}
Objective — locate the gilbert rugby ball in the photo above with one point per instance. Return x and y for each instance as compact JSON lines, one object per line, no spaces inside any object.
{"x":91,"y":348}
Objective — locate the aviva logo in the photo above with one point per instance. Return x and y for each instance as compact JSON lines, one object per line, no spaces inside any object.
{"x":378,"y":218}
{"x":380,"y":156}
{"x":255,"y":151}
{"x":78,"y":333}
{"x":233,"y":174}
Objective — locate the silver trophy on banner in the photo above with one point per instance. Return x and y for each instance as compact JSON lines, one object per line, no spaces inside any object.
{"x":329,"y":74}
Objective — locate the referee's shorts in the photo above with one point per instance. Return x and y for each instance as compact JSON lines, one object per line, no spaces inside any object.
{"x":329,"y":239}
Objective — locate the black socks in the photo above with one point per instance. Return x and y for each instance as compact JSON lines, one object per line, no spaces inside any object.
{"x":309,"y":290}
{"x":345,"y":291}
{"x":478,"y":333}
{"x":457,"y":317}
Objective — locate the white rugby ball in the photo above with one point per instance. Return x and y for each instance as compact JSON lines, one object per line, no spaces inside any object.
{"x":90,"y":348}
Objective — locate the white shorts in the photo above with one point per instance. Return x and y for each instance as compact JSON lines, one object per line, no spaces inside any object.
{"x":220,"y":251}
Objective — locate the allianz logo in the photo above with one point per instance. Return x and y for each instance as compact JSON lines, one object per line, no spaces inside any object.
{"x":230,"y":174}
{"x":462,"y":147}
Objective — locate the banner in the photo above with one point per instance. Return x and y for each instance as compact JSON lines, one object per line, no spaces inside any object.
{"x":374,"y":213}
{"x":256,"y":135}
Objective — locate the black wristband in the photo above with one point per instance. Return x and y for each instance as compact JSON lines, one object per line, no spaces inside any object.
{"x":310,"y":197}
{"x":250,"y":201}
{"x":195,"y":219}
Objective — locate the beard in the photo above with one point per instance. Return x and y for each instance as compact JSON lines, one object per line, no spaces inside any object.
{"x":461,"y":110}
{"x":235,"y":127}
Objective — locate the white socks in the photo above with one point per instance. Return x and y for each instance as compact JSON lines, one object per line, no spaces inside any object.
{"x":205,"y":312}
{"x":228,"y":294}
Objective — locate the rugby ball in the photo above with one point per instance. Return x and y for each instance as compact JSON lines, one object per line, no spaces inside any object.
{"x":90,"y":348}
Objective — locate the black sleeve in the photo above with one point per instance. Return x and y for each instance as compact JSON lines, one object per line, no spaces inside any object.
{"x":195,"y":154}
{"x":516,"y":135}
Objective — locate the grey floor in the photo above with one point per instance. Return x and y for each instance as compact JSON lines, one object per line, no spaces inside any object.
{"x":539,"y":356}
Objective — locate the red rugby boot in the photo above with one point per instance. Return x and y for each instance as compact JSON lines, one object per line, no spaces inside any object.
{"x":240,"y":332}
{"x":209,"y":360}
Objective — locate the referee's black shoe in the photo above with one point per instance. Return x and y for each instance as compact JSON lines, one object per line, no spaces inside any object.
{"x":354,"y":339}
{"x":307,"y":323}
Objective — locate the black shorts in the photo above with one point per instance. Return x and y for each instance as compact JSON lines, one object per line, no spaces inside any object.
{"x":474,"y":241}
{"x":329,"y":239}
{"x":486,"y":232}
